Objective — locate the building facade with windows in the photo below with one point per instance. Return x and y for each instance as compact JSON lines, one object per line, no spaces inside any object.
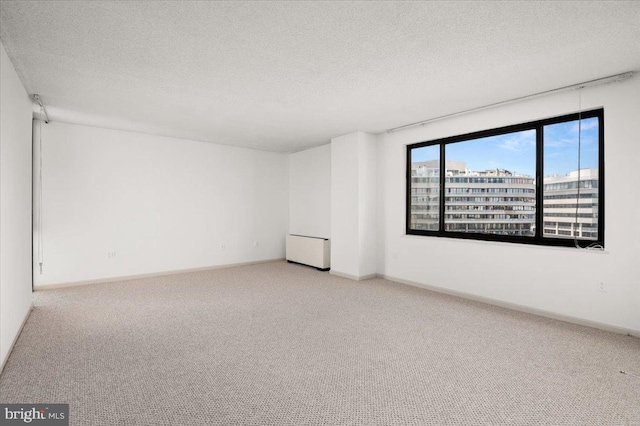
{"x":494,"y":201}
{"x":503,"y":202}
{"x":571,"y":209}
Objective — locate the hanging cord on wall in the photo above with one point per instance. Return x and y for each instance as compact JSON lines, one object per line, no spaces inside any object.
{"x":40,"y":238}
{"x":43,"y":117}
{"x":575,"y":230}
{"x":592,"y":246}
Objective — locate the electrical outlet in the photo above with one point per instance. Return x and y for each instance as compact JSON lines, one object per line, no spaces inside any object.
{"x":223,"y":246}
{"x":601,"y":287}
{"x":111,"y":255}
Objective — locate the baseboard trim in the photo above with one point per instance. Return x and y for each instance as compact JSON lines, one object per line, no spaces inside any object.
{"x":517,"y":307}
{"x":149,"y":275}
{"x":353,"y":277}
{"x":15,"y":339}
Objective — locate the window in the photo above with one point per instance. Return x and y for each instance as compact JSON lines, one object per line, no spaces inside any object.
{"x":425,"y":172}
{"x":537,"y":183}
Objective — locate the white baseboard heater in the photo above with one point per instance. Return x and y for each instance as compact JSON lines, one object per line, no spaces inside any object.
{"x":310,"y":251}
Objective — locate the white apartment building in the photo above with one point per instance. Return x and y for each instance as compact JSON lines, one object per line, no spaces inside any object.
{"x":502,"y":202}
{"x":567,"y":213}
{"x":492,"y":201}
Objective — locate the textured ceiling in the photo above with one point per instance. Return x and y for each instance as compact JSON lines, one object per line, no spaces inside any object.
{"x":285,"y":76}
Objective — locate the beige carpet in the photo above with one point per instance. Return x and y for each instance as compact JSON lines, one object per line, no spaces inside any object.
{"x":283,"y":344}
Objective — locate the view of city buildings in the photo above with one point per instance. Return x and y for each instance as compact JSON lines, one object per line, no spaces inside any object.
{"x":561,"y":205}
{"x":502,"y":202}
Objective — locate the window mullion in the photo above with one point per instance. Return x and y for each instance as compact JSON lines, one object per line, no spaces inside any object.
{"x":443,"y":173}
{"x":539,"y":183}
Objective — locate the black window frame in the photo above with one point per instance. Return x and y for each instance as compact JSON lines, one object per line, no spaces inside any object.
{"x":538,"y":238}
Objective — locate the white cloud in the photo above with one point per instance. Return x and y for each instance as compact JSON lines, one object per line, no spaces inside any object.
{"x":518,"y":142}
{"x":587,"y":124}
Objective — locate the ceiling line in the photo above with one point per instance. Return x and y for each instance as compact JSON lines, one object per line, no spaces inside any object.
{"x":618,"y":78}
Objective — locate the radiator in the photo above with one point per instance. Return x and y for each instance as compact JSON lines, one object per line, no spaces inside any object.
{"x":310,"y":251}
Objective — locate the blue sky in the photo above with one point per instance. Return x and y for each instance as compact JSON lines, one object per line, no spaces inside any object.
{"x":561,"y":146}
{"x":516,"y":151}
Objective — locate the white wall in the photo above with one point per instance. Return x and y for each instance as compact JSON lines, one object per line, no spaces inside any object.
{"x":557,"y":280}
{"x":353,"y":205}
{"x":310,"y":192}
{"x":15,"y":205}
{"x":344,"y":205}
{"x":161,"y":204}
{"x":367,"y":203}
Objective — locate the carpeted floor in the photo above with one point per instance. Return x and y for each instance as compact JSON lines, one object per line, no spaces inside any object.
{"x":283,"y":344}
